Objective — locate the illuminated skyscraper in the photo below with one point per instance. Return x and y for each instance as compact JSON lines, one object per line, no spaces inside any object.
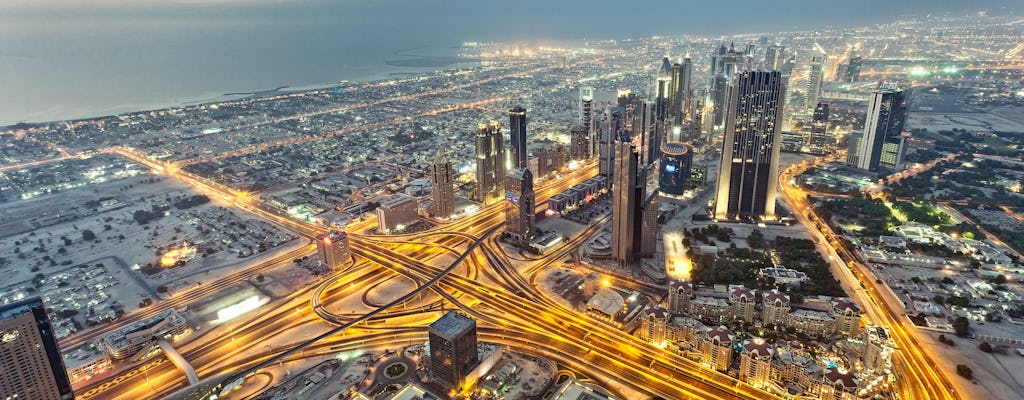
{"x":520,"y":203}
{"x":674,"y":176}
{"x":612,"y":128}
{"x":815,"y":74}
{"x":749,"y":170}
{"x":627,"y":208}
{"x":490,"y":162}
{"x":881,"y":145}
{"x":442,"y":186}
{"x":664,"y":95}
{"x":774,"y":57}
{"x":684,"y":91}
{"x":852,"y":71}
{"x":820,"y":141}
{"x":649,"y":224}
{"x":579,"y":143}
{"x":332,"y":247}
{"x":33,"y":367}
{"x":587,"y":108}
{"x":723,"y":69}
{"x":453,"y":349}
{"x":517,"y":136}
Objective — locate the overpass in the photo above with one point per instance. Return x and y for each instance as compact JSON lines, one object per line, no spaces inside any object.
{"x":179,"y":361}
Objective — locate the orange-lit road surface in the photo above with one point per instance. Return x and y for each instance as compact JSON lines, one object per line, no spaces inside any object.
{"x":918,"y":377}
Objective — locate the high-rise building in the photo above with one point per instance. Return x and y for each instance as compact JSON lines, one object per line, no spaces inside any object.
{"x":674,"y":98}
{"x":517,"y":137}
{"x":723,"y":69}
{"x":612,"y":128}
{"x":442,"y":185}
{"x":587,"y":108}
{"x":774,"y":57}
{"x":654,"y":325}
{"x":332,"y":247}
{"x":820,"y":141}
{"x":579,"y":143}
{"x":685,"y":90}
{"x":627,"y":209}
{"x":815,"y":74}
{"x":397,"y":213}
{"x":749,"y":170}
{"x":774,"y":307}
{"x":679,"y":295}
{"x":541,"y":158}
{"x":558,"y":157}
{"x":664,"y":95}
{"x":756,"y":362}
{"x":520,"y":203}
{"x":33,"y":367}
{"x":881,"y":145}
{"x":853,"y":148}
{"x":453,"y":349}
{"x":649,"y":226}
{"x":674,"y":170}
{"x":852,"y":73}
{"x":490,"y":162}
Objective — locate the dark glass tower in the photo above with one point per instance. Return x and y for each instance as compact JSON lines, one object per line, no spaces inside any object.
{"x":627,"y":208}
{"x":453,"y":351}
{"x":674,"y":173}
{"x":881,"y":145}
{"x":517,"y":136}
{"x":32,"y":364}
{"x":749,"y":170}
{"x":490,"y":162}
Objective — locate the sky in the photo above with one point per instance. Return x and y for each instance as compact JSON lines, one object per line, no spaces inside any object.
{"x":73,"y":58}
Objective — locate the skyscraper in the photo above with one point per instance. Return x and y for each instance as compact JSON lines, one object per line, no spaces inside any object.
{"x":685,"y":91}
{"x":520,"y":203}
{"x":649,"y":225}
{"x":674,"y":99}
{"x":587,"y":108}
{"x":627,"y":208}
{"x":664,"y":94}
{"x":517,"y":136}
{"x":881,"y":145}
{"x":442,"y":181}
{"x":612,"y":127}
{"x":815,"y":74}
{"x":749,"y":169}
{"x":774,"y":57}
{"x":33,"y":367}
{"x":723,"y":68}
{"x":820,"y":141}
{"x":579,"y":143}
{"x":853,"y":69}
{"x":453,"y":349}
{"x":332,"y":247}
{"x":490,"y":162}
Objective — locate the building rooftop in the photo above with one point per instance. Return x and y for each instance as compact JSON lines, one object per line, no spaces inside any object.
{"x":452,"y":324}
{"x":11,"y":310}
{"x":573,"y":389}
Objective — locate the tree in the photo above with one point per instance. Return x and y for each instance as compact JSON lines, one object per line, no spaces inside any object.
{"x":964,"y":371}
{"x":756,"y":239}
{"x":161,"y":289}
{"x":88,"y":235}
{"x":260,"y":278}
{"x":984,"y":346}
{"x":961,"y":326}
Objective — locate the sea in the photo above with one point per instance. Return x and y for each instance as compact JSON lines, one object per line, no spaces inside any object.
{"x":69,"y":59}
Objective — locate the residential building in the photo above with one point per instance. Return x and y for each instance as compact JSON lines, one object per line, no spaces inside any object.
{"x":333,"y":250}
{"x":397,"y":213}
{"x":453,"y":349}
{"x":490,"y":163}
{"x":442,"y":187}
{"x":33,"y":367}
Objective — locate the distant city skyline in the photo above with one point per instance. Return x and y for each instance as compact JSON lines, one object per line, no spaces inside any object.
{"x":74,"y":61}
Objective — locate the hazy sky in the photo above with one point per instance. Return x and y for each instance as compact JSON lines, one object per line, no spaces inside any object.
{"x":74,"y":58}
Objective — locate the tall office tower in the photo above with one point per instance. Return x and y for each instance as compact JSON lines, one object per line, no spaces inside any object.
{"x":787,"y":70}
{"x":627,"y":207}
{"x":558,"y":157}
{"x":720,"y":87}
{"x":642,"y":126}
{"x":520,"y":202}
{"x":32,"y":364}
{"x":579,"y":143}
{"x":649,"y":226}
{"x":453,"y":349}
{"x":675,"y":101}
{"x":674,"y":173}
{"x":664,"y":93}
{"x":815,"y":74}
{"x":685,"y":91}
{"x":774,"y":57}
{"x":587,"y":108}
{"x":332,"y":247}
{"x":612,"y":127}
{"x":881,"y":146}
{"x":819,"y":141}
{"x":749,"y":170}
{"x":442,"y":185}
{"x":541,"y":154}
{"x":853,"y":69}
{"x":517,"y":137}
{"x":490,"y":162}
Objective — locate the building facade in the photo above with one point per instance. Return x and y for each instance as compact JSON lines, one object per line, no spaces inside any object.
{"x":397,"y":213}
{"x":627,"y":211}
{"x":442,"y":187}
{"x":520,"y":203}
{"x":33,"y":367}
{"x":333,"y":250}
{"x":749,"y":170}
{"x":674,"y":169}
{"x":453,"y":349}
{"x":490,"y":163}
{"x":517,"y":137}
{"x":882,"y":143}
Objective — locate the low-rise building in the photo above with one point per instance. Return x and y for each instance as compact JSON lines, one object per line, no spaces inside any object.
{"x":396,"y":213}
{"x":137,"y":338}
